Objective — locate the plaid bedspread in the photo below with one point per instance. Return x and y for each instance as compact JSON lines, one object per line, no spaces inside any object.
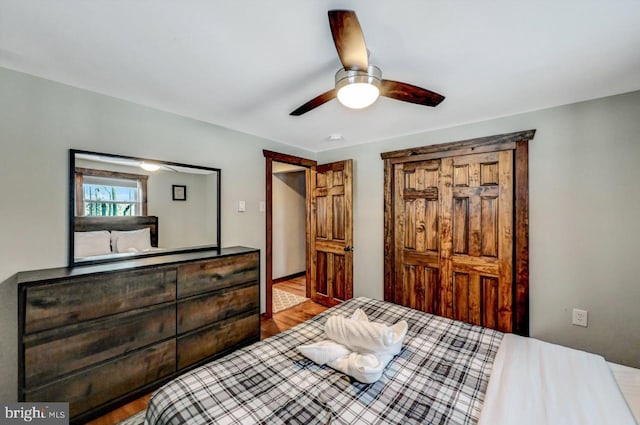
{"x":439,"y":377}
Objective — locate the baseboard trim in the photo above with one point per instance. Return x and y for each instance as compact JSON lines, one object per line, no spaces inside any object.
{"x":289,"y":277}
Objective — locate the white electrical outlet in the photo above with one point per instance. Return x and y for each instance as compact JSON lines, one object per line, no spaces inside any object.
{"x":242,"y":206}
{"x":579,"y":317}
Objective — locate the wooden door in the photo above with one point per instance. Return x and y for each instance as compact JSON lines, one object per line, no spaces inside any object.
{"x":477,"y":239}
{"x":454,"y":238}
{"x":417,"y":244}
{"x":456,"y":229}
{"x":332,"y":233}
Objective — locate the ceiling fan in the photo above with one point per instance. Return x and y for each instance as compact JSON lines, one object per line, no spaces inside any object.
{"x":359,"y":84}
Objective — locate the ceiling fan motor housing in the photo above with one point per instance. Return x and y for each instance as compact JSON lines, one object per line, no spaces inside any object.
{"x":372,"y":76}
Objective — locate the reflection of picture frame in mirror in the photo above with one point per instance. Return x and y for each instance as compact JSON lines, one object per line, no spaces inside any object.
{"x":179,"y":192}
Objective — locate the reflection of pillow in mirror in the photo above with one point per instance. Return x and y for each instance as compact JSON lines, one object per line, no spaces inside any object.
{"x":87,"y":244}
{"x":115,"y":234}
{"x":133,"y":241}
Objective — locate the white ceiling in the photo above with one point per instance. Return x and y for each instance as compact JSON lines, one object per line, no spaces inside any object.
{"x":246,"y":64}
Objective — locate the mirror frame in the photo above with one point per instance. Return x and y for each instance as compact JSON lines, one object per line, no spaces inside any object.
{"x":72,"y":210}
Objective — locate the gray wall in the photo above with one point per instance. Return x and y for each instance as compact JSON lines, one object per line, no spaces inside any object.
{"x":182,"y":223}
{"x":584,"y":218}
{"x":40,"y":120}
{"x":584,"y":200}
{"x":289,"y":223}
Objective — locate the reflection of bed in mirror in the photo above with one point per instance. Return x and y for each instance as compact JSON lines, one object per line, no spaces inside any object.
{"x":91,"y":224}
{"x":87,"y":230}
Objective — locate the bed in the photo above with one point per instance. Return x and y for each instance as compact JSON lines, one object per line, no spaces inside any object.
{"x":95,"y":238}
{"x":448,"y":372}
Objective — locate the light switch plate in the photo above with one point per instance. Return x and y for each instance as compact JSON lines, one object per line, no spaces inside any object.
{"x":242,"y":206}
{"x":263,"y":206}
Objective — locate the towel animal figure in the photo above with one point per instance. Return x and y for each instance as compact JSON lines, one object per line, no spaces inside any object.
{"x":357,"y":347}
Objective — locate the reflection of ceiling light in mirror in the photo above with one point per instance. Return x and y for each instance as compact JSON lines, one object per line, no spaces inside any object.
{"x":149,"y":167}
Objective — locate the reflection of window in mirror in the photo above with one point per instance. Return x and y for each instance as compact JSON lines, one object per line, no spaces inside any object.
{"x":102,"y":193}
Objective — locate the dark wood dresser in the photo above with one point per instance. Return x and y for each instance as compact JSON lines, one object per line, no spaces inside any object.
{"x":98,"y":336}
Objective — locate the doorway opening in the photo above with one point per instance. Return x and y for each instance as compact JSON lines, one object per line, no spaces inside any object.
{"x":287,"y":229}
{"x":328,"y":228}
{"x":289,"y":212}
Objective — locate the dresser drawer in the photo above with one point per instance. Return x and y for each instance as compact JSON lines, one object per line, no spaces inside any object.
{"x":210,"y":275}
{"x":217,"y":338}
{"x":212,"y":307}
{"x":95,"y":386}
{"x":53,"y":353}
{"x":73,"y":300}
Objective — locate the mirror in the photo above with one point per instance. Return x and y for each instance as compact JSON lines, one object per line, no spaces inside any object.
{"x":124,"y":207}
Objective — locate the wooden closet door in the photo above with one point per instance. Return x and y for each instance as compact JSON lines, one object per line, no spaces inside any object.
{"x":454,"y":237}
{"x":476,"y":239}
{"x":456,"y":229}
{"x":417,"y":243}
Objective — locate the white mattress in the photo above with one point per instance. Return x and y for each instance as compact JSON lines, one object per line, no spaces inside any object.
{"x":536,"y":383}
{"x":628,"y":380}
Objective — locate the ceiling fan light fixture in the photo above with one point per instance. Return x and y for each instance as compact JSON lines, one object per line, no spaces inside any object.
{"x":358,"y":89}
{"x":359,"y":84}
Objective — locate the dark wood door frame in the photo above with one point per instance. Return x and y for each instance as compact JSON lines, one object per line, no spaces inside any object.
{"x":516,"y":142}
{"x":309,"y":164}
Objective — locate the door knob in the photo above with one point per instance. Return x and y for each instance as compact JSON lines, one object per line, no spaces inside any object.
{"x":349,"y":248}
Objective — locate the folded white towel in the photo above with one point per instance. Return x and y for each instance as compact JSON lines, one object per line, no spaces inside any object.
{"x":324,"y":352}
{"x":358,"y":348}
{"x":359,"y":314}
{"x":366,"y":368}
{"x":363,"y":336}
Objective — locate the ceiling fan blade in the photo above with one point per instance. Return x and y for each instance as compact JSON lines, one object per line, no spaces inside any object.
{"x":349,"y":40}
{"x":409,"y":93}
{"x":315,"y":102}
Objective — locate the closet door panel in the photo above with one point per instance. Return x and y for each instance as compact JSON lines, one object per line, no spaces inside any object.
{"x":488,"y":226}
{"x":461,"y":225}
{"x":409,"y":287}
{"x":490,"y":302}
{"x":461,"y":296}
{"x":420,"y":288}
{"x":482,"y":197}
{"x":417,"y":238}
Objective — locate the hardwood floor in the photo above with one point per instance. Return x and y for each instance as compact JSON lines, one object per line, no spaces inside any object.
{"x":123,"y":412}
{"x":297,"y":286}
{"x":268,"y":327}
{"x":289,"y":318}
